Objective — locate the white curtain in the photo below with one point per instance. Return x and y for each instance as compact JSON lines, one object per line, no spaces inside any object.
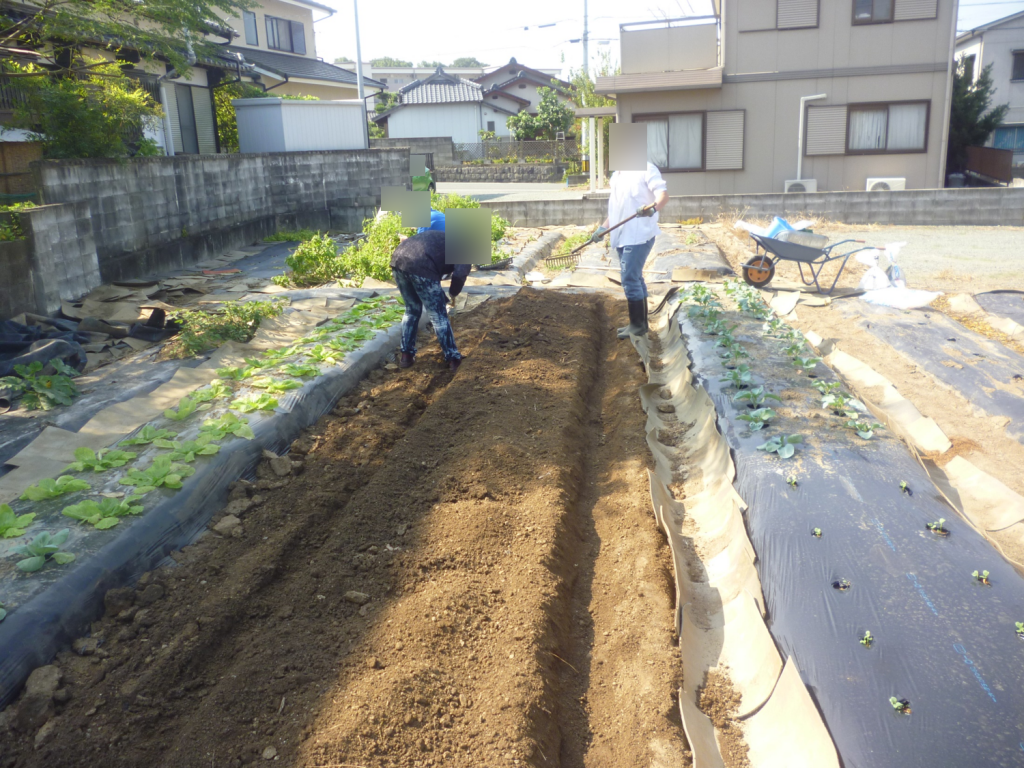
{"x":685,"y":141}
{"x":867,"y":128}
{"x":657,"y":142}
{"x":906,"y":126}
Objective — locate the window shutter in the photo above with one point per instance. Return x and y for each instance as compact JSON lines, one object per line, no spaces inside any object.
{"x":171,"y":95}
{"x":908,"y":10}
{"x":251,"y":34}
{"x":205,"y":134}
{"x":797,"y":14}
{"x":298,"y":38}
{"x":826,"y":131}
{"x":725,"y":141}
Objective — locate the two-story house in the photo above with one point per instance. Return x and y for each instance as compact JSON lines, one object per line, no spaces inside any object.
{"x":277,"y":38}
{"x":842,"y":95}
{"x":522,"y":83}
{"x":1001,"y":45}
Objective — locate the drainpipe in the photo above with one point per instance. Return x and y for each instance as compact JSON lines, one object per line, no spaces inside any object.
{"x":944,"y":146}
{"x":800,"y":134}
{"x":359,"y":76}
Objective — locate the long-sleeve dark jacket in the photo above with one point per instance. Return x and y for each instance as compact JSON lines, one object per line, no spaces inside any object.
{"x":423,"y":255}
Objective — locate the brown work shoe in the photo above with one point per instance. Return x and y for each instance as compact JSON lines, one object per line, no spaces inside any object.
{"x":407,"y":360}
{"x":453,"y":364}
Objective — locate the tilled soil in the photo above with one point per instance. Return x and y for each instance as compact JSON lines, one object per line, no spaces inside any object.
{"x":466,"y":572}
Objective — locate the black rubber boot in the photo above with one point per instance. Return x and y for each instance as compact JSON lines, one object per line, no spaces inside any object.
{"x":637,"y":319}
{"x":647,"y":310}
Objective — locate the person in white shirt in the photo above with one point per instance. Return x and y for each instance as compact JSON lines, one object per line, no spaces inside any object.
{"x":643,"y":193}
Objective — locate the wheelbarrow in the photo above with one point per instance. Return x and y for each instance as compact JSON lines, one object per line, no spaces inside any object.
{"x":812,"y":253}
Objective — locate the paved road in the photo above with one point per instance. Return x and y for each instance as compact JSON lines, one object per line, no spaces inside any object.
{"x":969,"y":259}
{"x":510,"y":191}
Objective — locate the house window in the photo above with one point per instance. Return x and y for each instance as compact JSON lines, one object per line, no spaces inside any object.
{"x":1018,"y":66}
{"x":490,"y":126}
{"x":1010,"y":137}
{"x":892,"y":128}
{"x":675,"y":142}
{"x":384,"y":80}
{"x":251,"y":35}
{"x":872,"y":11}
{"x":522,"y":86}
{"x":285,"y":35}
{"x":969,"y":67}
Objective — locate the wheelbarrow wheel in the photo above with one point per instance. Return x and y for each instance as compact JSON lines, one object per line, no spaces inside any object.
{"x":759,"y":271}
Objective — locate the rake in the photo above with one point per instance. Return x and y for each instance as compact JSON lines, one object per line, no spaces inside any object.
{"x":571,"y":259}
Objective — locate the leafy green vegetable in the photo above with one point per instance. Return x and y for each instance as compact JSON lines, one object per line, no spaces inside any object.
{"x":250,"y":403}
{"x":864,"y":429}
{"x":102,"y":514}
{"x":982,"y":577}
{"x":43,"y":392}
{"x":11,"y":525}
{"x":783,"y":445}
{"x":257,"y":363}
{"x":276,"y":386}
{"x":162,"y":473}
{"x":867,"y":640}
{"x":51,"y":489}
{"x":45,"y":546}
{"x":322,"y":354}
{"x":148,"y":434}
{"x":98,"y":461}
{"x":756,"y":396}
{"x":215,"y":391}
{"x":1020,"y":627}
{"x":228,"y":424}
{"x":740,"y":376}
{"x":188,"y":450}
{"x":299,"y":369}
{"x":805,"y":363}
{"x":757,"y":419}
{"x":827,"y":387}
{"x":237,"y":373}
{"x":358,"y":334}
{"x":816,"y":533}
{"x":186,"y":407}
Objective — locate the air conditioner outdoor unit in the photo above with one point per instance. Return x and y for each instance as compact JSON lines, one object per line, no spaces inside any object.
{"x":886,"y":184}
{"x":803,"y":185}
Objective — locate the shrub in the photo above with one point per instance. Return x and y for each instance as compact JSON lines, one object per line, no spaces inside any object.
{"x":13,"y":230}
{"x":371,"y":256}
{"x":235,"y":321}
{"x":291,"y":236}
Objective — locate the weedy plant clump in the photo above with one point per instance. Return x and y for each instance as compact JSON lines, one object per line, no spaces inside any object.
{"x":39,"y":392}
{"x":233,"y":321}
{"x":792,"y":481}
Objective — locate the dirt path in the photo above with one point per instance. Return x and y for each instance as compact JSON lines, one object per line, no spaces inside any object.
{"x":465,"y":573}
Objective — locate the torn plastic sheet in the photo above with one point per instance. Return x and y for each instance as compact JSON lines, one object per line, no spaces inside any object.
{"x":67,"y":599}
{"x":1003,"y":304}
{"x":941,"y":640}
{"x":982,"y":371}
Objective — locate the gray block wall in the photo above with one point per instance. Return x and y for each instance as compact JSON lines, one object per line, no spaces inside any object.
{"x":158,"y":214}
{"x":503,"y":173}
{"x":443,"y":148}
{"x":1003,"y":206}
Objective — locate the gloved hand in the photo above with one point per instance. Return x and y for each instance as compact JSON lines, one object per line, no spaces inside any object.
{"x":598,"y":235}
{"x":645,"y":211}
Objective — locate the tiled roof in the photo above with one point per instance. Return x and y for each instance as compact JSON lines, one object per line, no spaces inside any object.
{"x":440,"y":88}
{"x":302,"y":66}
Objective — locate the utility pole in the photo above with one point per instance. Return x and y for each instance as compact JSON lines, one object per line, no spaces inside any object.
{"x":359,"y":76}
{"x":586,"y":36}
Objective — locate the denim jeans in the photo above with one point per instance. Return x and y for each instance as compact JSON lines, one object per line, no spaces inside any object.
{"x":631,"y":261}
{"x":417,"y":293}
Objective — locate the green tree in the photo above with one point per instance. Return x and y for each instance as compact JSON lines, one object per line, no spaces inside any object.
{"x":387,"y":61}
{"x":432,"y":64}
{"x":163,"y":30}
{"x":972,"y":117}
{"x":384,"y":101}
{"x":523,"y":126}
{"x":227,"y":123}
{"x":467,"y":61}
{"x":100,"y":114}
{"x":375,"y":131}
{"x":553,"y":115}
{"x":343,"y":60}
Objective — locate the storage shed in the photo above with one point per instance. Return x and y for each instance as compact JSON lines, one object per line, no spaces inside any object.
{"x":289,"y":125}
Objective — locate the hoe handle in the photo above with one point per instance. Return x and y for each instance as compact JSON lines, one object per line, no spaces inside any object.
{"x":577,"y":250}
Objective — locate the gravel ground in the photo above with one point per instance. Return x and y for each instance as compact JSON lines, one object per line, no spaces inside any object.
{"x":961,"y":259}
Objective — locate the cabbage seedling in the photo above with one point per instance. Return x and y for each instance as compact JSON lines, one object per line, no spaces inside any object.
{"x":795,"y":348}
{"x":900,"y":705}
{"x":755,"y":397}
{"x":148,"y":434}
{"x":939,"y":528}
{"x":827,"y":387}
{"x":1020,"y":629}
{"x":98,"y":461}
{"x":816,"y":533}
{"x":864,"y":429}
{"x":775,"y":327}
{"x":905,"y":488}
{"x":102,"y":514}
{"x":12,"y":525}
{"x":758,"y":419}
{"x":51,"y":489}
{"x":160,"y":474}
{"x":805,"y":363}
{"x":867,"y":640}
{"x":228,"y":424}
{"x":740,"y":377}
{"x":982,"y":578}
{"x":783,"y":445}
{"x":792,"y":481}
{"x":250,"y":403}
{"x":45,"y":546}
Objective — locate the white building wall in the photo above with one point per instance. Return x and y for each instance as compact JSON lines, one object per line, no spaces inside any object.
{"x":997,"y":49}
{"x":419,"y":121}
{"x":499,"y":118}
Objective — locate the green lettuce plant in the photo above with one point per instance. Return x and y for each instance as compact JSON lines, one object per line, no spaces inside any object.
{"x":45,"y":546}
{"x":187,"y":450}
{"x":217,"y":390}
{"x":186,"y":407}
{"x":299,"y":369}
{"x":236,"y":373}
{"x":98,"y":461}
{"x":148,"y":434}
{"x":51,"y":489}
{"x":325,"y":355}
{"x":162,"y":473}
{"x":12,"y":525}
{"x":250,"y":403}
{"x":102,"y":514}
{"x":228,"y":424}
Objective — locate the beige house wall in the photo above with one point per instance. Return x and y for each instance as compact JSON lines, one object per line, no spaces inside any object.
{"x":279,"y":10}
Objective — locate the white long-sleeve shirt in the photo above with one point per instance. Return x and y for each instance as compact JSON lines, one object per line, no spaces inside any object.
{"x":629,"y":191}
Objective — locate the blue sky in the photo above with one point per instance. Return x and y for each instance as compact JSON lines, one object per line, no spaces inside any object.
{"x":494,"y":31}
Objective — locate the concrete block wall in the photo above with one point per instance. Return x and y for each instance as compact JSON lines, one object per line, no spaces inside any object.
{"x":1001,"y":206}
{"x":158,"y":214}
{"x":510,"y":172}
{"x":63,"y":253}
{"x":443,"y":148}
{"x":17,"y":287}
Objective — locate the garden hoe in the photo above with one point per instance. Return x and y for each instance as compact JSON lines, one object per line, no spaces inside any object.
{"x":572,"y":258}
